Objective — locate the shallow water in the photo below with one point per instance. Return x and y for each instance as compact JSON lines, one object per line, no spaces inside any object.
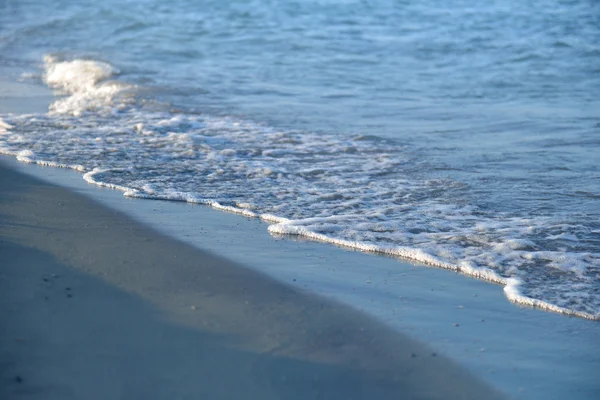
{"x":453,"y":133}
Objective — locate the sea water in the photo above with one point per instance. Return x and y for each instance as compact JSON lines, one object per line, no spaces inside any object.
{"x":460,"y":134}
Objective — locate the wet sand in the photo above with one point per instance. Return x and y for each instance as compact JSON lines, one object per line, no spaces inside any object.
{"x":145,"y":325}
{"x":97,"y":306}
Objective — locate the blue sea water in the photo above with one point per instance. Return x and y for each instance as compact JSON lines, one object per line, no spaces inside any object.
{"x":461,"y":134}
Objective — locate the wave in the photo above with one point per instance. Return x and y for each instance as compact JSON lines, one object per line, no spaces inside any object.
{"x":85,"y":85}
{"x":371,"y":195}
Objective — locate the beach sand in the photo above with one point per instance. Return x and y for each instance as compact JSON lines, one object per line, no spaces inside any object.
{"x":525,"y":353}
{"x":97,"y":306}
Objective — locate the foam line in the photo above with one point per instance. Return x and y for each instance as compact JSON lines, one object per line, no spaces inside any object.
{"x":284,"y":226}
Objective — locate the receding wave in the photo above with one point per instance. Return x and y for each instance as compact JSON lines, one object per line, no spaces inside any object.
{"x":363,"y":192}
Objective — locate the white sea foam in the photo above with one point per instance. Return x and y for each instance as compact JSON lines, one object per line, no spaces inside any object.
{"x":85,"y":84}
{"x":4,"y":126}
{"x":367,"y":195}
{"x":28,"y":157}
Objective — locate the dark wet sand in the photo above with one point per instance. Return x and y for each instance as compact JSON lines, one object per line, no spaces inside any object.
{"x":96,"y":306}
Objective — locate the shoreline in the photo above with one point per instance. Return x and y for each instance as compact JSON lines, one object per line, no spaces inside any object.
{"x":115,"y":306}
{"x":526,"y":353}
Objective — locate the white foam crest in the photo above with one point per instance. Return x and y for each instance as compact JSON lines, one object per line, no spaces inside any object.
{"x":76,"y":75}
{"x":412,"y":254}
{"x":91,"y":177}
{"x":85,"y":84}
{"x":29,"y":157}
{"x":513,"y":293}
{"x":403,"y":252}
{"x":26,"y":156}
{"x":274,"y":219}
{"x":232,"y":209}
{"x":4,"y":126}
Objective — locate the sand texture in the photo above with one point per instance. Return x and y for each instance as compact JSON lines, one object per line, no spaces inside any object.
{"x":96,"y":306}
